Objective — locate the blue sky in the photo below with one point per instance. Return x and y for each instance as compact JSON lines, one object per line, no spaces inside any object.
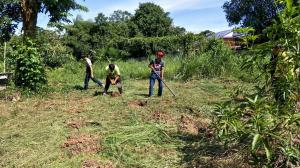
{"x":194,"y":15}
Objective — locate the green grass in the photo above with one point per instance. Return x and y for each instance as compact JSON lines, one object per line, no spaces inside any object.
{"x":33,"y":130}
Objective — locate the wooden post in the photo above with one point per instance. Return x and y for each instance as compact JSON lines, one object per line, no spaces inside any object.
{"x":4,"y":56}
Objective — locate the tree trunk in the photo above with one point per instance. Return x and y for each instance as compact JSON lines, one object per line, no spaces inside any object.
{"x":30,"y":10}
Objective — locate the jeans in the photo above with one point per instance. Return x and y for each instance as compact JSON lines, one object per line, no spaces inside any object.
{"x":154,"y":77}
{"x":87,"y":79}
{"x":118,"y":84}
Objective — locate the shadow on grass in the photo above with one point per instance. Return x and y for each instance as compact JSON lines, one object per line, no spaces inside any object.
{"x":206,"y":152}
{"x":198,"y":151}
{"x":97,"y":93}
{"x":78,"y":87}
{"x":142,"y":95}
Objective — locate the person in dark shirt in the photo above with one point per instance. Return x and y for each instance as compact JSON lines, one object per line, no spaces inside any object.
{"x":157,"y":73}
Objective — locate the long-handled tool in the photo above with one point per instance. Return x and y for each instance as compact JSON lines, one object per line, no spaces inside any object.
{"x":164,"y":83}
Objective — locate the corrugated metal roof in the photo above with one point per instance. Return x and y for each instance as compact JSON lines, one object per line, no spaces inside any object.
{"x":228,"y":34}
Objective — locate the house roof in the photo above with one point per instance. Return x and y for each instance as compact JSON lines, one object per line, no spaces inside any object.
{"x":228,"y":34}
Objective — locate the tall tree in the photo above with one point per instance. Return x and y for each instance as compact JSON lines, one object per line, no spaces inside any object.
{"x":100,"y":18}
{"x":251,"y":13}
{"x":79,"y":36}
{"x":26,"y":11}
{"x":7,"y":18}
{"x":120,"y":16}
{"x":152,"y":20}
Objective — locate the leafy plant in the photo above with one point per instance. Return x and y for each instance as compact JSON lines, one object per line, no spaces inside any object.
{"x":248,"y":36}
{"x":267,"y":126}
{"x":29,"y":73}
{"x":217,"y":60}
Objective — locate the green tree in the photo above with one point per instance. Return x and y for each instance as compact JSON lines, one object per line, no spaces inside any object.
{"x":120,"y":16}
{"x":177,"y":30}
{"x":151,"y":20}
{"x":100,"y":18}
{"x":251,"y":13}
{"x":7,"y":18}
{"x":51,"y":48}
{"x":26,"y":11}
{"x":79,"y":36}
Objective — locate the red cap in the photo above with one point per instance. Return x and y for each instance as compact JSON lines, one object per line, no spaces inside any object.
{"x":160,"y":54}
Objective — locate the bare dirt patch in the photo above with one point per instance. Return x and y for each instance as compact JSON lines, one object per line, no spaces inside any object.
{"x":13,"y":96}
{"x":75,"y":123}
{"x":81,"y":143}
{"x":193,"y":126}
{"x":74,"y":110}
{"x":115,"y":94}
{"x":138,"y":103}
{"x":94,"y":164}
{"x":168,"y":101}
{"x":163,"y":116}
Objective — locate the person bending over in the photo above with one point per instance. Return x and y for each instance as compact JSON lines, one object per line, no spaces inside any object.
{"x":113,"y":77}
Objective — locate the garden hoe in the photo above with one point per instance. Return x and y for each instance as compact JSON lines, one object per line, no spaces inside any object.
{"x":165,"y":84}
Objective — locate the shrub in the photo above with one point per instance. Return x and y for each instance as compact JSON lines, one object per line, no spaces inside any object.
{"x":29,"y":73}
{"x":267,"y":123}
{"x":217,"y":60}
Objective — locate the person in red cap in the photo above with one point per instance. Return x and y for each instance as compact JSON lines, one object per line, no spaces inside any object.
{"x":157,"y":73}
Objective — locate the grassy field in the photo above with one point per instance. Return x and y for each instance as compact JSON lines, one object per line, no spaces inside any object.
{"x":70,"y":127}
{"x":75,"y":128}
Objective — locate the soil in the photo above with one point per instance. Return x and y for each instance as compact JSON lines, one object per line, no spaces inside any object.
{"x":75,"y":123}
{"x":189,"y":125}
{"x":112,"y":94}
{"x":163,"y":116}
{"x":138,"y":103}
{"x":81,"y":143}
{"x":168,"y":101}
{"x":11,"y":96}
{"x":74,"y":110}
{"x":115,"y":94}
{"x":94,"y":164}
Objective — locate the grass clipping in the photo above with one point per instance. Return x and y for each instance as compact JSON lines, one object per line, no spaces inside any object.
{"x":129,"y":142}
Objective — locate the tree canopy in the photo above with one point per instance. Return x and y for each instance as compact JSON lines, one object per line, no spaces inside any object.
{"x":251,"y":13}
{"x":152,"y":20}
{"x":120,"y":16}
{"x":12,"y":12}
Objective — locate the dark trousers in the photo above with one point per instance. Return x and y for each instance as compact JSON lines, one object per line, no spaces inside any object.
{"x":154,"y":77}
{"x":118,"y":83}
{"x":87,"y":79}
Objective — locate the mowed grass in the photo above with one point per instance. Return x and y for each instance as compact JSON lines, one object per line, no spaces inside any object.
{"x":127,"y":131}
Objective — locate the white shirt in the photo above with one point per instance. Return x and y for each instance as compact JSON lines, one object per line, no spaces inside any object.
{"x":88,"y":62}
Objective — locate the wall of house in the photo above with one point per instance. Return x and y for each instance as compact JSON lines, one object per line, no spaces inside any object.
{"x":233,"y":42}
